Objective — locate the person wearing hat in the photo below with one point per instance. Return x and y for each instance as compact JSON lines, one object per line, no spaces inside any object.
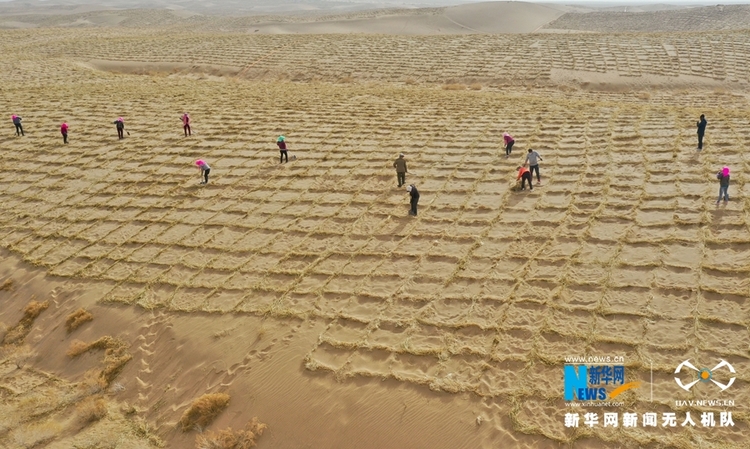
{"x":414,"y":193}
{"x":205,"y":170}
{"x":120,"y":124}
{"x":17,"y":123}
{"x":723,"y":177}
{"x":186,"y":124}
{"x":509,"y":141}
{"x":281,"y":142}
{"x":64,"y":131}
{"x":401,"y":170}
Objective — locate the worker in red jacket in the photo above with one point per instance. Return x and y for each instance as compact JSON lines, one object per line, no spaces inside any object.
{"x":186,"y":124}
{"x":524,"y":175}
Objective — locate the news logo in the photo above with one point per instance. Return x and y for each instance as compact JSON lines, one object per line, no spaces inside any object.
{"x":705,"y":375}
{"x":595,"y":382}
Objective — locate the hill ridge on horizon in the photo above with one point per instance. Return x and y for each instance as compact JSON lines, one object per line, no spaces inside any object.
{"x":371,"y":18}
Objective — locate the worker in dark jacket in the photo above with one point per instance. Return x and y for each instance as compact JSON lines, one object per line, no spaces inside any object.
{"x":414,"y":193}
{"x":509,"y":141}
{"x":120,"y":125}
{"x":283,"y":155}
{"x":400,"y":166}
{"x":701,"y":130}
{"x":723,"y":177}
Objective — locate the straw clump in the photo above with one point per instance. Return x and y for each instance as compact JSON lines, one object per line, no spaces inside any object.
{"x":17,"y":333}
{"x":91,"y":409}
{"x":77,"y":318}
{"x":115,"y":356}
{"x":231,"y":439}
{"x":204,"y":410}
{"x":7,"y":285}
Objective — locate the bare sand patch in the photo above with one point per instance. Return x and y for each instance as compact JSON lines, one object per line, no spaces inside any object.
{"x":614,"y":82}
{"x":164,"y":69}
{"x":14,"y":24}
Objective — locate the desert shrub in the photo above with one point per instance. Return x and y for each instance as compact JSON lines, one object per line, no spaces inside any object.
{"x":475,"y":86}
{"x":91,"y":409}
{"x":34,"y":308}
{"x":20,"y":355}
{"x":143,"y":429}
{"x":229,"y":439}
{"x":203,"y":410}
{"x":17,"y":333}
{"x":7,"y":285}
{"x":454,"y":86}
{"x":78,"y":347}
{"x":76,"y":319}
{"x":114,"y":361}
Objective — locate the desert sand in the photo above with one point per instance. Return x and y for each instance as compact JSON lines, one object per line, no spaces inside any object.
{"x":304,"y":291}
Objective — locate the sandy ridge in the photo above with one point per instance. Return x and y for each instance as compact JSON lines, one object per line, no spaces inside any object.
{"x":713,"y":59}
{"x":488,"y":17}
{"x":708,"y":18}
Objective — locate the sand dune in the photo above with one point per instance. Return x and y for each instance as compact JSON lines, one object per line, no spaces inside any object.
{"x":709,"y":18}
{"x":306,"y":292}
{"x":489,"y":17}
{"x":423,"y":24}
{"x":592,"y":61}
{"x":486,"y":17}
{"x":503,"y":17}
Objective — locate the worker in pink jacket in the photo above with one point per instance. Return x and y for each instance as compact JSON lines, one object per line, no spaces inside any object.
{"x":509,"y":141}
{"x":186,"y":124}
{"x":64,"y":132}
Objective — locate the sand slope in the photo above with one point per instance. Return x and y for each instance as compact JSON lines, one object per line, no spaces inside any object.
{"x":305,"y":291}
{"x":616,"y":61}
{"x":485,"y":17}
{"x":709,"y":18}
{"x":488,"y":17}
{"x":503,"y":17}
